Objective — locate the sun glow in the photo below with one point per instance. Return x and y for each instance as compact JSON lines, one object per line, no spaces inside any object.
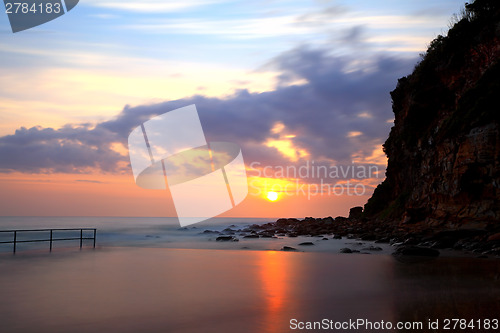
{"x":272,"y":196}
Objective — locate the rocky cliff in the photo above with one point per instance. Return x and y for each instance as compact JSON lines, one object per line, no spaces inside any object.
{"x":444,"y":149}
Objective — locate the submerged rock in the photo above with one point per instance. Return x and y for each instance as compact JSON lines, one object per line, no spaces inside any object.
{"x":288,"y":248}
{"x":226,"y":239}
{"x":372,"y":248}
{"x":229,"y":231}
{"x":211,"y":232}
{"x":345,"y":250}
{"x":251,"y":236}
{"x":306,"y":244}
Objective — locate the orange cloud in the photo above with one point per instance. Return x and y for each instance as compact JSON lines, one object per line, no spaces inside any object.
{"x":284,"y":143}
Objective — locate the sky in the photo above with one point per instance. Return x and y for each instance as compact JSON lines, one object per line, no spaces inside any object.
{"x":296,"y":84}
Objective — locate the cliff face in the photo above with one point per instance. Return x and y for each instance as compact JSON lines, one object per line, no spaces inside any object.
{"x":444,"y":149}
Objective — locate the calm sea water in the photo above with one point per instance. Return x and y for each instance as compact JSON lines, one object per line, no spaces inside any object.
{"x":150,"y":275}
{"x":136,"y":289}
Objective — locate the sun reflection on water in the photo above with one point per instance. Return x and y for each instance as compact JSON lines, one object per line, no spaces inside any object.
{"x":274,"y":273}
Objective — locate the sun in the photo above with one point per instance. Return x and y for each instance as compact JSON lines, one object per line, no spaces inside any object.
{"x":272,"y":196}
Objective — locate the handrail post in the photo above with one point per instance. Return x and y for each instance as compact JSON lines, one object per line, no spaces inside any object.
{"x":94,"y":236}
{"x":15,"y":239}
{"x":81,"y":237}
{"x":50,"y":240}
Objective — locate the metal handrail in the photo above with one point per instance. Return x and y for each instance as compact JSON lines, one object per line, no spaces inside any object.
{"x":51,"y":239}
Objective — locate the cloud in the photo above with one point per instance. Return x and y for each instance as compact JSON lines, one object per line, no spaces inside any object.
{"x":240,"y":28}
{"x":355,"y":36}
{"x":150,"y":6}
{"x":89,"y":181}
{"x":340,"y":96}
{"x":70,"y":149}
{"x":321,"y":17}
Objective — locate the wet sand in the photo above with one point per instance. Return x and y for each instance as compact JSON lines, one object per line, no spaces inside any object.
{"x":183,"y":290}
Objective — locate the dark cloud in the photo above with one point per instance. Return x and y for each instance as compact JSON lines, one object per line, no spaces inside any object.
{"x":68,"y":149}
{"x":321,"y":17}
{"x":355,"y":36}
{"x":320,"y":112}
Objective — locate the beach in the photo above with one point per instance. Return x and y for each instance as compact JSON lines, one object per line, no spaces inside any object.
{"x":137,"y":289}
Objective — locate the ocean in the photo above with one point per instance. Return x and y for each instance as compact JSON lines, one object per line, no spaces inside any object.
{"x":150,"y":275}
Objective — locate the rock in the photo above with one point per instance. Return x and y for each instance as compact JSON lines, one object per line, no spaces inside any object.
{"x":450,"y":238}
{"x":251,"y":236}
{"x":416,"y":251}
{"x":383,"y":240}
{"x":226,"y":239}
{"x":256,"y":227}
{"x":288,"y":248}
{"x":211,"y":232}
{"x":494,"y":237}
{"x":345,"y":250}
{"x":324,"y":238}
{"x":368,"y":237}
{"x":494,"y":251}
{"x":372,"y":248}
{"x":328,"y":220}
{"x":286,"y":222}
{"x":306,"y":244}
{"x":337,"y":237}
{"x":229,"y":231}
{"x":355,"y":212}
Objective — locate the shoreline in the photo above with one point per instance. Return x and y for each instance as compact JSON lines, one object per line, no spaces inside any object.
{"x":460,"y":242}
